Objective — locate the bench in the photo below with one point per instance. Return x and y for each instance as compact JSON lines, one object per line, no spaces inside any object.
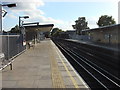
{"x":30,"y":44}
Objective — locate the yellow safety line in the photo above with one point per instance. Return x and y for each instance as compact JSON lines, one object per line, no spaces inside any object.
{"x":57,"y":80}
{"x":73,"y":80}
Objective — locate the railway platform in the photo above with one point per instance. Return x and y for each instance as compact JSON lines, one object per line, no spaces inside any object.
{"x":110,"y":47}
{"x":43,"y":66}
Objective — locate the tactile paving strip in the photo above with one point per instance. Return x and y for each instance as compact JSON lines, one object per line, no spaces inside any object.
{"x":57,"y":80}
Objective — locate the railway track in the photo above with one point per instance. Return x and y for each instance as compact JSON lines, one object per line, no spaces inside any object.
{"x":87,"y":64}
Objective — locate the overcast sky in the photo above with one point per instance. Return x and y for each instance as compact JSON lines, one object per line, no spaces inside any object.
{"x":61,"y":13}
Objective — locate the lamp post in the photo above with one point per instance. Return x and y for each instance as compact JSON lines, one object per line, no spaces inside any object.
{"x":25,"y":17}
{"x":8,"y":5}
{"x":22,"y":30}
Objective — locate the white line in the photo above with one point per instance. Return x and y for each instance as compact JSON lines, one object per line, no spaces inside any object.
{"x":83,"y":82}
{"x":11,"y":60}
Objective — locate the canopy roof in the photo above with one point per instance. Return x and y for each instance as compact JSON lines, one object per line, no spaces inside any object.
{"x":43,"y":28}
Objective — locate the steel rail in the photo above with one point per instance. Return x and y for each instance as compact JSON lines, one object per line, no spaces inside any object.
{"x":95,"y":64}
{"x":75,"y":54}
{"x":84,"y":68}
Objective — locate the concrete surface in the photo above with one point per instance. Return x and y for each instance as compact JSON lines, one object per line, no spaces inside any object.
{"x":42,"y":67}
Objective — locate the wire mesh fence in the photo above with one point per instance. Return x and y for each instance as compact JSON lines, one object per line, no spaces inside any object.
{"x":11,"y":45}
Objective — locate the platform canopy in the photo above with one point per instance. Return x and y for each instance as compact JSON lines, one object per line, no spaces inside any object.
{"x":42,"y":28}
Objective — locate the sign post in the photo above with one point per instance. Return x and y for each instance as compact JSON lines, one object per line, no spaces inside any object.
{"x":0,"y":18}
{"x":0,"y":44}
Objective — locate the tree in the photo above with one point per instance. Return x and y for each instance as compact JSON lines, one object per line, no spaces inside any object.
{"x":15,"y":29}
{"x":80,"y":24}
{"x":4,"y":31}
{"x":55,"y":32}
{"x":105,"y":20}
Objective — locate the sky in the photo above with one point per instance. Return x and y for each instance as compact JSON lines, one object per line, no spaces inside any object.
{"x":61,"y":13}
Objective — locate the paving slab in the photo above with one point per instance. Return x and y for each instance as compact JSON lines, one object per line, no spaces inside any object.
{"x":28,"y":68}
{"x":42,"y":67}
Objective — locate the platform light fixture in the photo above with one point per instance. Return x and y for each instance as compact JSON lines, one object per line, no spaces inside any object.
{"x":25,"y":17}
{"x":10,"y":5}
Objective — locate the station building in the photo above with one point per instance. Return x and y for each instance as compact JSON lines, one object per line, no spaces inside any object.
{"x":107,"y":34}
{"x":37,"y":32}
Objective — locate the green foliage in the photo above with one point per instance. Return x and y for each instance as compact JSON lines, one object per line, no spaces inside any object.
{"x":81,"y":24}
{"x":15,"y":29}
{"x":4,"y":31}
{"x":55,"y":32}
{"x":105,"y":20}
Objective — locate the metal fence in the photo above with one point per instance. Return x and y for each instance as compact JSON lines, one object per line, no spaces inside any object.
{"x":12,"y":45}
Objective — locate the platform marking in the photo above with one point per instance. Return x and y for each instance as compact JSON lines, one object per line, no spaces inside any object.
{"x":57,"y":80}
{"x":73,"y":80}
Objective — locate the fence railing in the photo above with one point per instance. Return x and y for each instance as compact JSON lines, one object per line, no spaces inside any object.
{"x":11,"y":45}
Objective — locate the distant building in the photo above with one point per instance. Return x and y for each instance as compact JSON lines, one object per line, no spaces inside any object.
{"x":37,"y":31}
{"x":71,"y":33}
{"x":107,"y":34}
{"x":63,"y":35}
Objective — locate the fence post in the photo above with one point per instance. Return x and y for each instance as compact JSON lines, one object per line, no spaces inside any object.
{"x":0,"y":18}
{"x":0,"y":42}
{"x":11,"y":66}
